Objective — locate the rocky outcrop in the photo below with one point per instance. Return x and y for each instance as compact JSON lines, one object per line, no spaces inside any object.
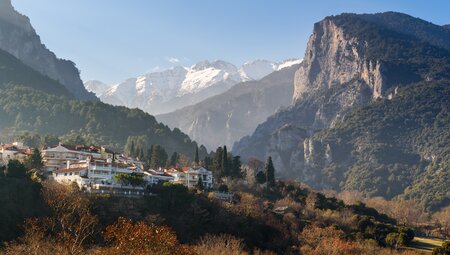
{"x":18,"y":38}
{"x":334,"y":59}
{"x":344,"y":68}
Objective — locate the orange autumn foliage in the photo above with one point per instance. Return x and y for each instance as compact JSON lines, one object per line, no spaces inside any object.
{"x":138,"y":238}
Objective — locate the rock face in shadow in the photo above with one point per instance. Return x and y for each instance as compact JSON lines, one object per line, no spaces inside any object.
{"x":18,"y":38}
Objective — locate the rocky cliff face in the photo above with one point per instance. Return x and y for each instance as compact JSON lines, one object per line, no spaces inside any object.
{"x":333,"y":58}
{"x":18,"y":38}
{"x":349,"y":62}
{"x":334,"y":77}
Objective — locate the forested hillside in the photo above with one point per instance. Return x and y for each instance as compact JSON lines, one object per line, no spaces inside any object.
{"x":394,"y":147}
{"x":13,"y":71}
{"x":23,"y":108}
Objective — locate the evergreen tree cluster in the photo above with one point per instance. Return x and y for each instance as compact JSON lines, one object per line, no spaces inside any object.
{"x":224,"y":164}
{"x":268,"y":176}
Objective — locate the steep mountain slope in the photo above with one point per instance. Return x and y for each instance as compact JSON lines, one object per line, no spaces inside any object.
{"x":225,"y":118}
{"x":18,"y":37}
{"x":352,"y":61}
{"x":166,"y":91}
{"x":402,"y":147}
{"x":12,"y":71}
{"x":25,"y":109}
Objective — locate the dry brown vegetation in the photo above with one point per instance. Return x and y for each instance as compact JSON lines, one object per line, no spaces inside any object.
{"x":287,"y":219}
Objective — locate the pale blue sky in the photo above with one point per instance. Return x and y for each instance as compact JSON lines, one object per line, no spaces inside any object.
{"x":111,"y":40}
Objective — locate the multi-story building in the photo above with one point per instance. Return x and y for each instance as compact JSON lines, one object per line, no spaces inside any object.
{"x":56,"y":158}
{"x":95,"y":173}
{"x":189,"y":176}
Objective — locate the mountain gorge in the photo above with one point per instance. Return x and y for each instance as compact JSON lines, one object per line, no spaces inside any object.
{"x":19,"y":38}
{"x":363,"y":64}
{"x":172,"y":89}
{"x":227,"y":117}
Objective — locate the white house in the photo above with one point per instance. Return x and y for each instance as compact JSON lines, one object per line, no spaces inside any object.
{"x":94,"y":172}
{"x":155,"y":177}
{"x":56,"y":158}
{"x":189,"y":176}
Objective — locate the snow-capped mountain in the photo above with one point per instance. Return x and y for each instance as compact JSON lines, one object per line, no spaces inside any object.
{"x":172,"y":89}
{"x":96,"y":87}
{"x":258,"y":69}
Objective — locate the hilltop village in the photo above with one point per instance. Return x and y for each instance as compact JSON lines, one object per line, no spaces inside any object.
{"x":99,"y":170}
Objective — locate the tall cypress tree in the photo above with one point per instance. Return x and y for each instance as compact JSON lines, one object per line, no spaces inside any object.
{"x":196,"y":160}
{"x":131,"y":152}
{"x":141,"y":154}
{"x":225,"y":166}
{"x":270,"y":172}
{"x":217,"y":163}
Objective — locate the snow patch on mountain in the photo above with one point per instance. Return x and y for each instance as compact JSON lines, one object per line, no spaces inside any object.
{"x":97,"y":87}
{"x":258,"y":69}
{"x":175,"y":88}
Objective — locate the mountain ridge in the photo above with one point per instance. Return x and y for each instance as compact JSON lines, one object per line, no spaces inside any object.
{"x":18,"y":37}
{"x":165,"y":91}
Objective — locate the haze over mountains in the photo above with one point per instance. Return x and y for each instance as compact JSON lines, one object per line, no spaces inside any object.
{"x":169,"y":90}
{"x":225,"y":118}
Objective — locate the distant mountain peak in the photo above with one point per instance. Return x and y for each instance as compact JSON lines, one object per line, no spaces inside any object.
{"x":257,"y":69}
{"x":177,"y":87}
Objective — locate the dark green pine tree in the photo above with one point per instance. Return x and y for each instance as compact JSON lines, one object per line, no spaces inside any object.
{"x":236,"y":168}
{"x":260,"y":177}
{"x":207,"y":163}
{"x":196,"y":160}
{"x":270,"y":172}
{"x":174,"y":159}
{"x":35,"y":160}
{"x":225,"y":166}
{"x":158,"y":157}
